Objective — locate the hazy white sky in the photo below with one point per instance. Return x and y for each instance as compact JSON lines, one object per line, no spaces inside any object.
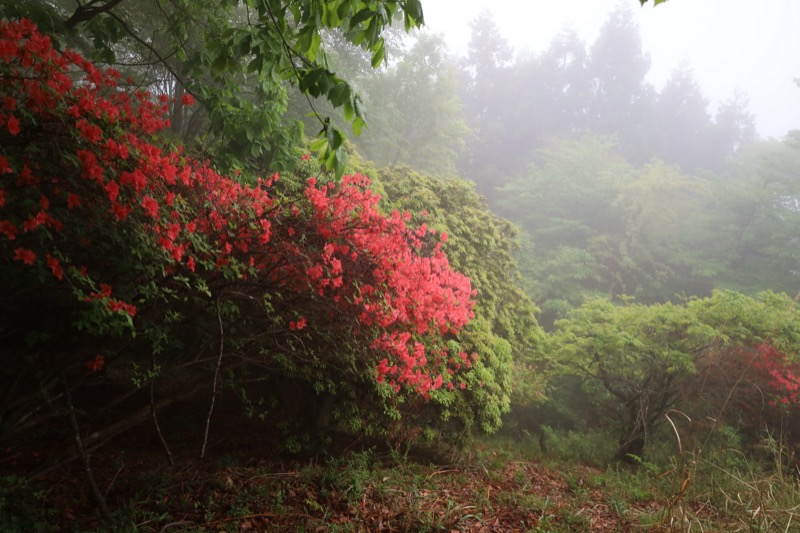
{"x":749,"y":45}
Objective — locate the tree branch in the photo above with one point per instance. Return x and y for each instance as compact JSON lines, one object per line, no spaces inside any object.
{"x":153,"y":51}
{"x":97,"y":439}
{"x":87,"y":12}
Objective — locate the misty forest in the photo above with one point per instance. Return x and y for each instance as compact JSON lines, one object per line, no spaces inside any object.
{"x":297,"y":266}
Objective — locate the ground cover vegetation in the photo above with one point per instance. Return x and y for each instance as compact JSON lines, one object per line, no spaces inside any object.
{"x":212,"y":322}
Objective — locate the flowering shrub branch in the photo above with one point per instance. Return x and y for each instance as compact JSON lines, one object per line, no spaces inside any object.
{"x":779,"y":377}
{"x":85,"y":193}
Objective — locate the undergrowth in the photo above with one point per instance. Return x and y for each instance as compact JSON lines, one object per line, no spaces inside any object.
{"x":562,"y":482}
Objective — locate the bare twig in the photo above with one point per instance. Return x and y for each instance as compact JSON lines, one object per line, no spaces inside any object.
{"x":113,"y":479}
{"x":176,"y":524}
{"x":155,"y":416}
{"x":87,"y":469}
{"x":214,"y":390}
{"x":98,"y":438}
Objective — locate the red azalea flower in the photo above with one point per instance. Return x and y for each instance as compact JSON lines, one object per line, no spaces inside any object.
{"x":13,"y":125}
{"x":150,"y":206}
{"x":25,"y":255}
{"x":96,"y":364}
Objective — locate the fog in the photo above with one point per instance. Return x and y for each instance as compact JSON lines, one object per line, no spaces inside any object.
{"x":730,"y":45}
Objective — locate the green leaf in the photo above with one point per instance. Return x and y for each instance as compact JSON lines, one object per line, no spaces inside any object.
{"x":357,"y":106}
{"x":256,"y":64}
{"x":335,"y":138}
{"x":318,"y":144}
{"x":343,"y":10}
{"x":378,"y":55}
{"x":340,"y":161}
{"x":340,"y":95}
{"x":358,"y":124}
{"x":383,"y":15}
{"x":348,"y":111}
{"x":220,"y":63}
{"x":308,"y":42}
{"x":316,"y":41}
{"x":360,"y":17}
{"x":413,"y":14}
{"x":308,"y":81}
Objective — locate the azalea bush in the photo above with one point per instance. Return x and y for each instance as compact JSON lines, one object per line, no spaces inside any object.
{"x":123,"y":258}
{"x":754,"y":389}
{"x":779,"y":375}
{"x":505,"y":331}
{"x":730,"y":359}
{"x":751,"y":374}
